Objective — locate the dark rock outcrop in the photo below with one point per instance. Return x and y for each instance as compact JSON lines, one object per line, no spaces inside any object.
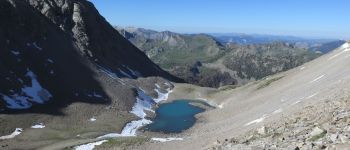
{"x":59,"y":51}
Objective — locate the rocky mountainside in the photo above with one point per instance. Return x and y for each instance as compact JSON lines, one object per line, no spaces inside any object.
{"x":200,"y":59}
{"x":169,"y":49}
{"x":323,"y":126}
{"x":53,"y":50}
{"x":65,"y":71}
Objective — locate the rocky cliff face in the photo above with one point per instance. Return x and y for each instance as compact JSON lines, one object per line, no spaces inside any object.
{"x":95,"y":37}
{"x":59,"y":51}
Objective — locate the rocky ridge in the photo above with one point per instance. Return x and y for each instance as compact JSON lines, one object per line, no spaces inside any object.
{"x":321,"y":126}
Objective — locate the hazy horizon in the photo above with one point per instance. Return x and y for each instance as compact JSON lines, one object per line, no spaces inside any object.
{"x":308,"y":19}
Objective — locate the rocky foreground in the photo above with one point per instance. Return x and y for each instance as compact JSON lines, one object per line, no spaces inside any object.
{"x":322,"y":126}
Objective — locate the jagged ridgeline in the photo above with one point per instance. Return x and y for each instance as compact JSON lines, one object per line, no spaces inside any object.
{"x":59,"y":51}
{"x":214,"y":61}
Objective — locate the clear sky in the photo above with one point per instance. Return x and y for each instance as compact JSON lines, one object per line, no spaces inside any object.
{"x":308,"y":18}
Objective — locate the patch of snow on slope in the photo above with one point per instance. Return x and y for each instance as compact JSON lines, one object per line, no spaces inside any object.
{"x":157,"y":86}
{"x":312,"y":95}
{"x":345,"y":47}
{"x":143,"y":103}
{"x":38,"y":126}
{"x":124,"y":73}
{"x":15,"y":52}
{"x":134,"y":72}
{"x":131,"y":128}
{"x":94,"y":94}
{"x":90,"y":146}
{"x":50,"y":61}
{"x":38,"y":93}
{"x":277,"y":111}
{"x":18,"y":131}
{"x":36,"y":46}
{"x":221,"y":106}
{"x":108,"y":72}
{"x":296,"y":102}
{"x":318,"y":78}
{"x":17,"y":102}
{"x":162,"y":96}
{"x":166,"y":139}
{"x":257,"y":120}
{"x":92,"y":119}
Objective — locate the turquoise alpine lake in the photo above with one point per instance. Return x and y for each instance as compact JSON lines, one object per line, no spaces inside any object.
{"x":174,"y":117}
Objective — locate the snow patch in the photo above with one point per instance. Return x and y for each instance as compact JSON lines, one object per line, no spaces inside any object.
{"x":50,"y":61}
{"x":157,"y":86}
{"x":166,"y":139}
{"x":162,"y":96}
{"x":312,"y":95}
{"x":318,"y":78}
{"x":38,"y":126}
{"x":36,"y":92}
{"x":90,"y":146}
{"x":257,"y":120}
{"x":134,"y":72}
{"x":92,"y":119}
{"x":143,"y":103}
{"x":18,"y":131}
{"x":94,"y":94}
{"x":16,"y":102}
{"x":36,"y":46}
{"x":345,"y":47}
{"x":108,"y":72}
{"x":277,"y":111}
{"x":296,"y":102}
{"x":221,"y":106}
{"x":97,"y":95}
{"x":15,"y":52}
{"x":124,"y":73}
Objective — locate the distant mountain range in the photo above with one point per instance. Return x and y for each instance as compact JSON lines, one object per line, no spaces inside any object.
{"x":241,"y":38}
{"x":222,"y":59}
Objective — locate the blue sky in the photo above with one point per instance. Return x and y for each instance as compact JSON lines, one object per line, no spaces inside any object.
{"x":307,"y":18}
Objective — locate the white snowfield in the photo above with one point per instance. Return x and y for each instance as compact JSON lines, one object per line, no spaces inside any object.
{"x":36,"y":46}
{"x":38,"y":126}
{"x":344,"y":48}
{"x":50,"y":61}
{"x":18,"y":131}
{"x":92,"y":119}
{"x":121,"y":72}
{"x":15,"y":52}
{"x":29,"y":93}
{"x":166,"y":139}
{"x":90,"y":146}
{"x":143,"y":103}
{"x":257,"y":120}
{"x":36,"y":91}
{"x":318,"y":78}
